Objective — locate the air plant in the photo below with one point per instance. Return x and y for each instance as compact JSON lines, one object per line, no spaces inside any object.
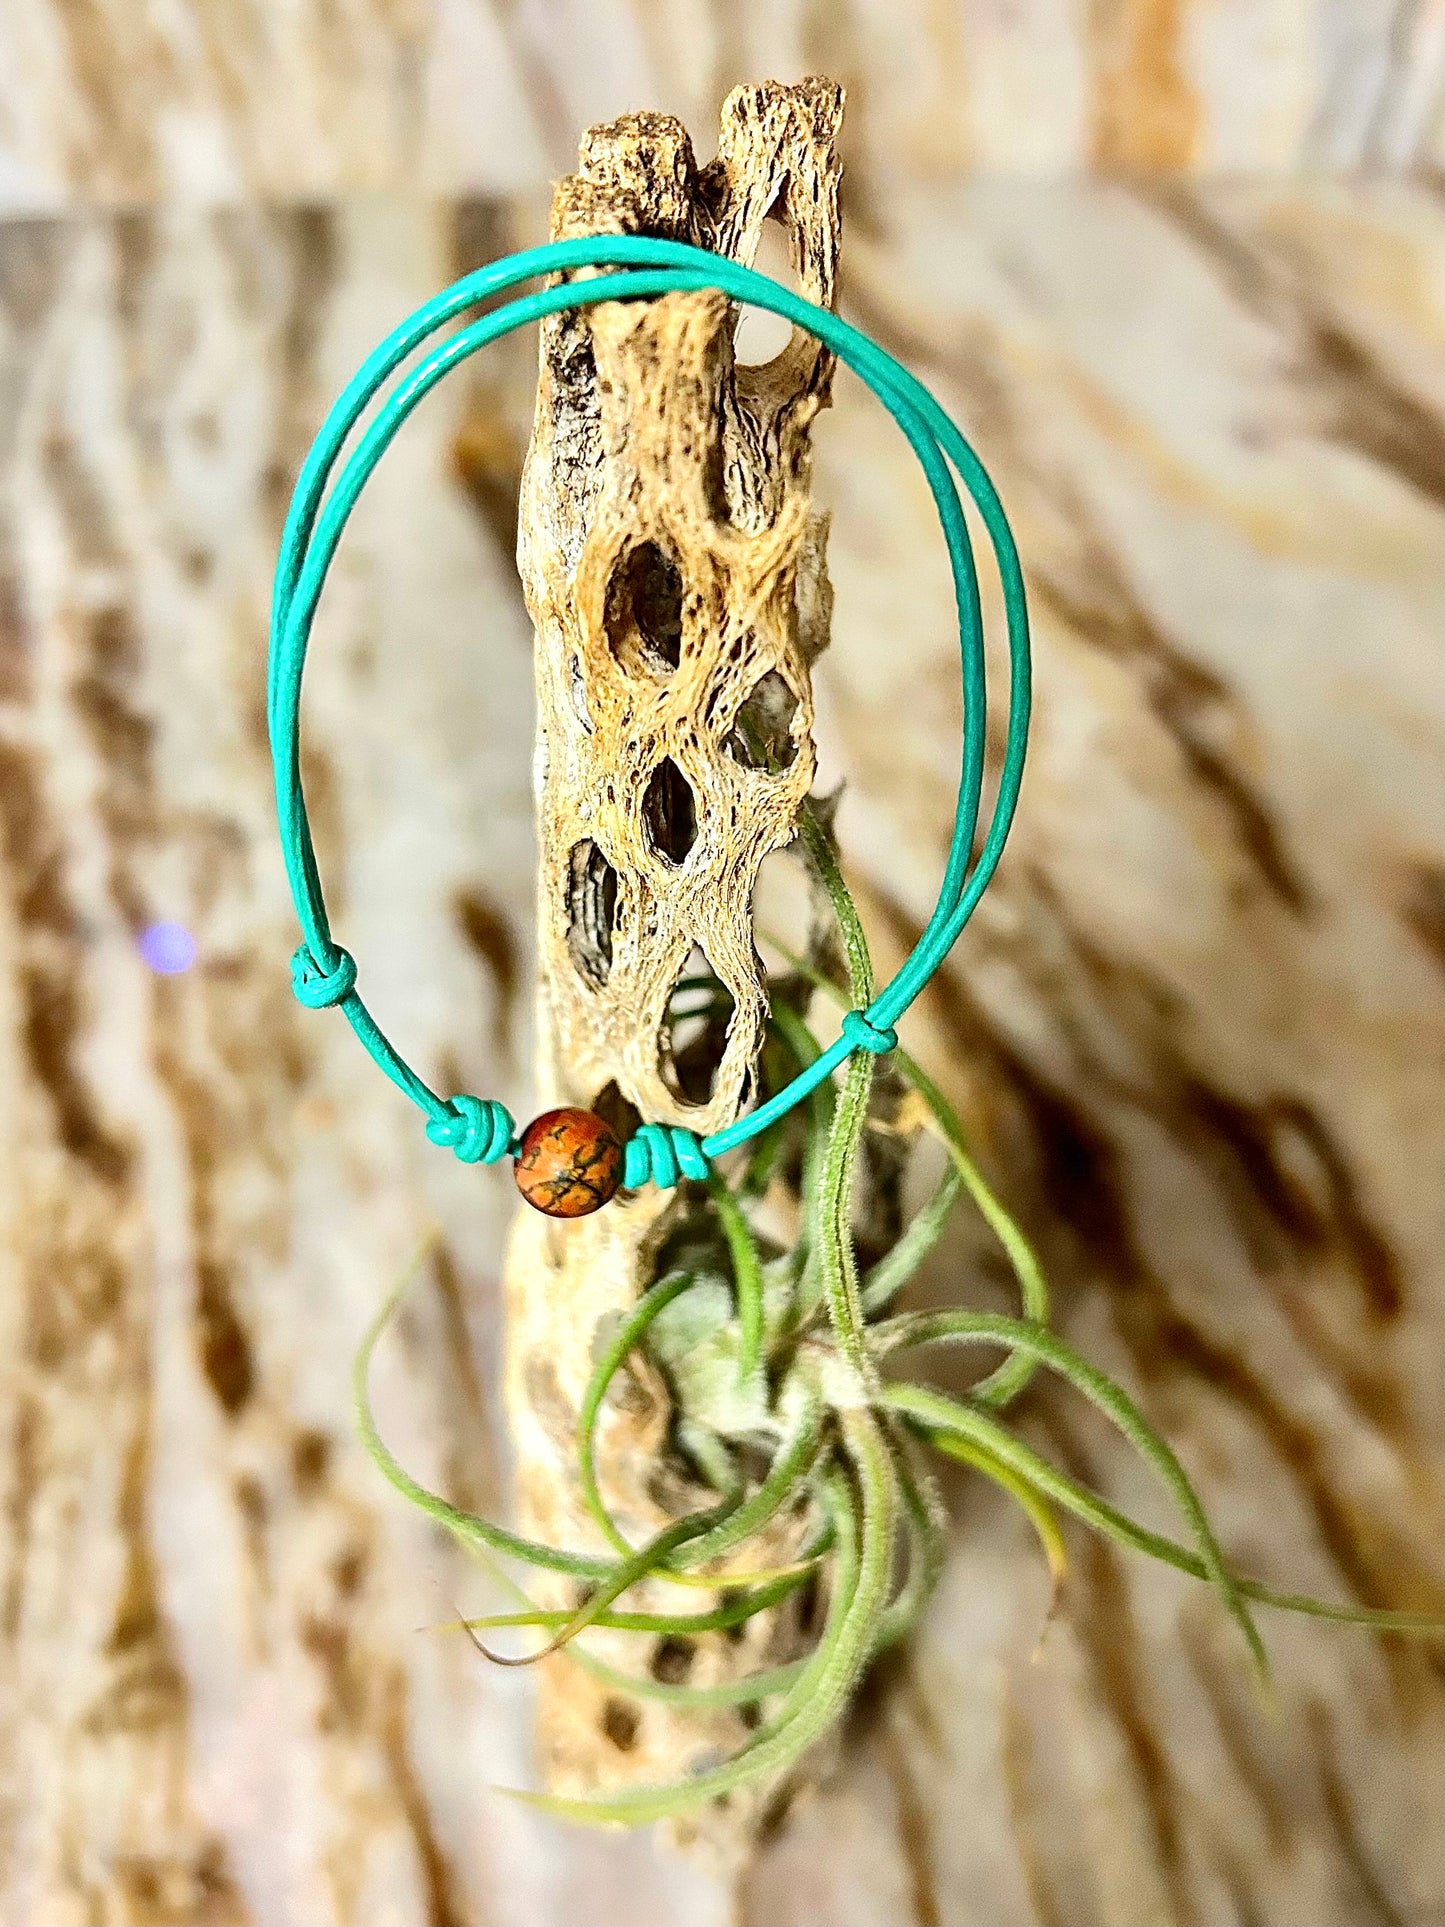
{"x":840,"y":1447}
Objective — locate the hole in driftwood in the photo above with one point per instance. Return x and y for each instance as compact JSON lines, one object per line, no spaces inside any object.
{"x":694,"y":1031}
{"x":672,"y":1661}
{"x":761,"y":336}
{"x":575,"y":359}
{"x":761,"y":737}
{"x":715,"y":482}
{"x":617,"y":1111}
{"x":577,"y":690}
{"x":669,"y":812}
{"x":620,"y":1723}
{"x":783,"y":907}
{"x":591,"y":911}
{"x":643,"y":609}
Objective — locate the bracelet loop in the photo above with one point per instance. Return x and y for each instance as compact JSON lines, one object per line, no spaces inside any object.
{"x":634,"y":267}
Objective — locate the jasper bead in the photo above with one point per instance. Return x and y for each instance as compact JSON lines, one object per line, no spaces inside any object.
{"x":569,"y":1162}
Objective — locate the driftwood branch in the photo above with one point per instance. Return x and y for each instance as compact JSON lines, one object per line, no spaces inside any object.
{"x":674,"y":569}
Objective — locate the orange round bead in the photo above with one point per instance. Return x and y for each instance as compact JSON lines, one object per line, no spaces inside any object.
{"x":569,"y":1162}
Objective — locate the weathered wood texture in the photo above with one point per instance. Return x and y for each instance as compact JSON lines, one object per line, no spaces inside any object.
{"x":672,"y":564}
{"x":1197,"y":1025}
{"x":114,"y":103}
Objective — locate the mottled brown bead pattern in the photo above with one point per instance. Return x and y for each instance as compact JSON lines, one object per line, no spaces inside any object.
{"x":569,"y":1162}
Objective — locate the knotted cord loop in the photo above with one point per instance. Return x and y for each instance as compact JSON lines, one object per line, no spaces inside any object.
{"x":327,"y":491}
{"x":478,"y":1129}
{"x":863,"y":1034}
{"x":316,"y":986}
{"x":661,"y":1154}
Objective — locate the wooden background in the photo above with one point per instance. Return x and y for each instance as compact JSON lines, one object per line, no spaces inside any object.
{"x":1176,"y":266}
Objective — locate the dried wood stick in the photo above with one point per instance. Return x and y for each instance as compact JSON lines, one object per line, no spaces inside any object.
{"x":674,"y":569}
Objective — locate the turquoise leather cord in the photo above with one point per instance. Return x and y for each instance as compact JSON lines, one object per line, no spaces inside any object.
{"x":322,"y":972}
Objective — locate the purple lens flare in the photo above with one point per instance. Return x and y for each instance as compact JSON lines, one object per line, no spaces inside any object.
{"x":169,"y":948}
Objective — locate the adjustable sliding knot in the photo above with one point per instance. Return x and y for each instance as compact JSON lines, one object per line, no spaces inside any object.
{"x":863,"y":1034}
{"x":478,"y":1129}
{"x":317,"y":987}
{"x":661,"y":1154}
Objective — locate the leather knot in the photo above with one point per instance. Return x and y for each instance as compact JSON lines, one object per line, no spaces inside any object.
{"x":317,"y":987}
{"x":661,"y":1154}
{"x":478,"y":1129}
{"x":863,"y":1034}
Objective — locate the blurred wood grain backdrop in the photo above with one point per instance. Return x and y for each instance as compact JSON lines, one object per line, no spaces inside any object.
{"x":1175,"y":264}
